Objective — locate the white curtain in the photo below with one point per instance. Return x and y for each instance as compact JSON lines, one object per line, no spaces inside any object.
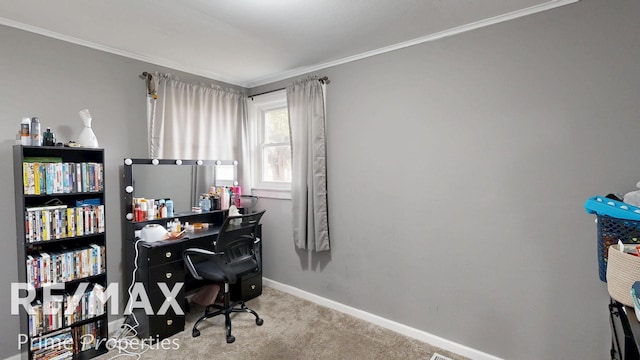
{"x":197,"y":121}
{"x":305,"y":99}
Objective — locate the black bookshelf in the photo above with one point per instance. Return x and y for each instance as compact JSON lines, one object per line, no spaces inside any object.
{"x":61,"y":239}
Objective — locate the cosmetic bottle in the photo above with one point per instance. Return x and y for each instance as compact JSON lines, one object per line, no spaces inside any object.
{"x":169,"y":205}
{"x":25,"y":125}
{"x":35,"y":132}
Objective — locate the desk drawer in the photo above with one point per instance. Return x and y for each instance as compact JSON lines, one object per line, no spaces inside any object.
{"x":247,"y":288}
{"x":169,"y":273}
{"x":159,"y":255}
{"x":163,"y":326}
{"x":159,"y":327}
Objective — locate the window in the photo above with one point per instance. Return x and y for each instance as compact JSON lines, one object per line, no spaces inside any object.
{"x":272,"y":146}
{"x":276,"y":147}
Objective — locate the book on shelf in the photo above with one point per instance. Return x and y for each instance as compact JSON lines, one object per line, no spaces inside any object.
{"x":44,"y":268}
{"x":47,"y":177}
{"x":66,"y":310}
{"x":52,"y":344}
{"x":88,"y":336}
{"x":44,"y":223}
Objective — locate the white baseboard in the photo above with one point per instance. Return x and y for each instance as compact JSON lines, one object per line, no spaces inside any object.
{"x":385,"y":323}
{"x":374,"y":319}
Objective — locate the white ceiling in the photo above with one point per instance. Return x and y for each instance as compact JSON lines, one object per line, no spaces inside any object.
{"x":254,"y":42}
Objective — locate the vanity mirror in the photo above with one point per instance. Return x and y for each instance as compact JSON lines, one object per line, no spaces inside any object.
{"x":180,"y":180}
{"x":153,"y":246}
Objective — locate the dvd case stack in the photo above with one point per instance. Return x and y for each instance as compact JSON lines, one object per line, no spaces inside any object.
{"x":44,"y":223}
{"x":65,"y":310}
{"x":88,"y":336}
{"x":65,"y":265}
{"x":53,"y":346}
{"x":52,"y":176}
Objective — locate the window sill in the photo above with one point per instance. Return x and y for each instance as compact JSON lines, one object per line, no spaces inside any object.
{"x":271,"y":193}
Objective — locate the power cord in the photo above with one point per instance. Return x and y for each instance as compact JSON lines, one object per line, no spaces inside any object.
{"x":125,"y":338}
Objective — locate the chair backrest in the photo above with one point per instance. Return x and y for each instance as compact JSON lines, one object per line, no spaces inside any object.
{"x":235,"y":227}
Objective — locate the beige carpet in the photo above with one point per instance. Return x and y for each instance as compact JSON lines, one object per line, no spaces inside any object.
{"x":293,"y":329}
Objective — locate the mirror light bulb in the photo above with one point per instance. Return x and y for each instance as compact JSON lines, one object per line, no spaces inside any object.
{"x":128,"y":162}
{"x":129,"y":216}
{"x":199,"y":162}
{"x":178,"y":162}
{"x":155,"y":161}
{"x":129,"y":189}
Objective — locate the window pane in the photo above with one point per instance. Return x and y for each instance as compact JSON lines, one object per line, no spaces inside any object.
{"x":276,"y":126}
{"x":276,"y":163}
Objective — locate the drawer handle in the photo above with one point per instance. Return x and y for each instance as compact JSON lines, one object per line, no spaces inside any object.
{"x":169,"y":275}
{"x":253,"y":286}
{"x":169,"y":322}
{"x":167,"y":254}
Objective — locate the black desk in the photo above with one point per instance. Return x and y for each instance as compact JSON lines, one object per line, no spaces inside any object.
{"x":161,"y":262}
{"x":625,"y":332}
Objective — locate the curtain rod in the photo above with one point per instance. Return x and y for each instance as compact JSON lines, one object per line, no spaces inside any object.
{"x":324,"y":80}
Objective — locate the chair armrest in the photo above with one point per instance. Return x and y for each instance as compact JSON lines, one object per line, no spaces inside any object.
{"x":256,"y":250}
{"x":197,"y":252}
{"x":194,"y":251}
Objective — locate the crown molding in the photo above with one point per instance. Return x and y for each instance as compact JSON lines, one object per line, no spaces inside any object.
{"x":299,"y":71}
{"x":439,"y":35}
{"x":131,"y":55}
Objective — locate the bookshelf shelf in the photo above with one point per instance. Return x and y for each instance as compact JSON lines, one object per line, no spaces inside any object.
{"x":61,"y":241}
{"x":55,"y":195}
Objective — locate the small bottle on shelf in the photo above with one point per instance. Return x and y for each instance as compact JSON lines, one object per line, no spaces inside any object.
{"x":48,"y":138}
{"x":143,"y":210}
{"x":25,"y":125}
{"x":35,"y":132}
{"x":169,"y":205}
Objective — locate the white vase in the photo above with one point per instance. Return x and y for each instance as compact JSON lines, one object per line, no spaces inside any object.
{"x":87,"y":138}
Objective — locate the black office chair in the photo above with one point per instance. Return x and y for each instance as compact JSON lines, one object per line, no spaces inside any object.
{"x":237,"y":253}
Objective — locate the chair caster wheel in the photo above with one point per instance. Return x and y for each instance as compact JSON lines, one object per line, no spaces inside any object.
{"x":195,"y":333}
{"x":259,"y":322}
{"x":230,"y":339}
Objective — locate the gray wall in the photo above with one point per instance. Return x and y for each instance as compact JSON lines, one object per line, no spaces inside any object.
{"x":457,"y":173}
{"x":53,"y":80}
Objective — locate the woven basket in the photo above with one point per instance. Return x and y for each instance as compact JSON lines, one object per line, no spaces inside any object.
{"x":622,"y":271}
{"x":610,"y":230}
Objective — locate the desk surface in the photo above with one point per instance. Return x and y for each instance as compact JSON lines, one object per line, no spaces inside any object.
{"x":211,"y":231}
